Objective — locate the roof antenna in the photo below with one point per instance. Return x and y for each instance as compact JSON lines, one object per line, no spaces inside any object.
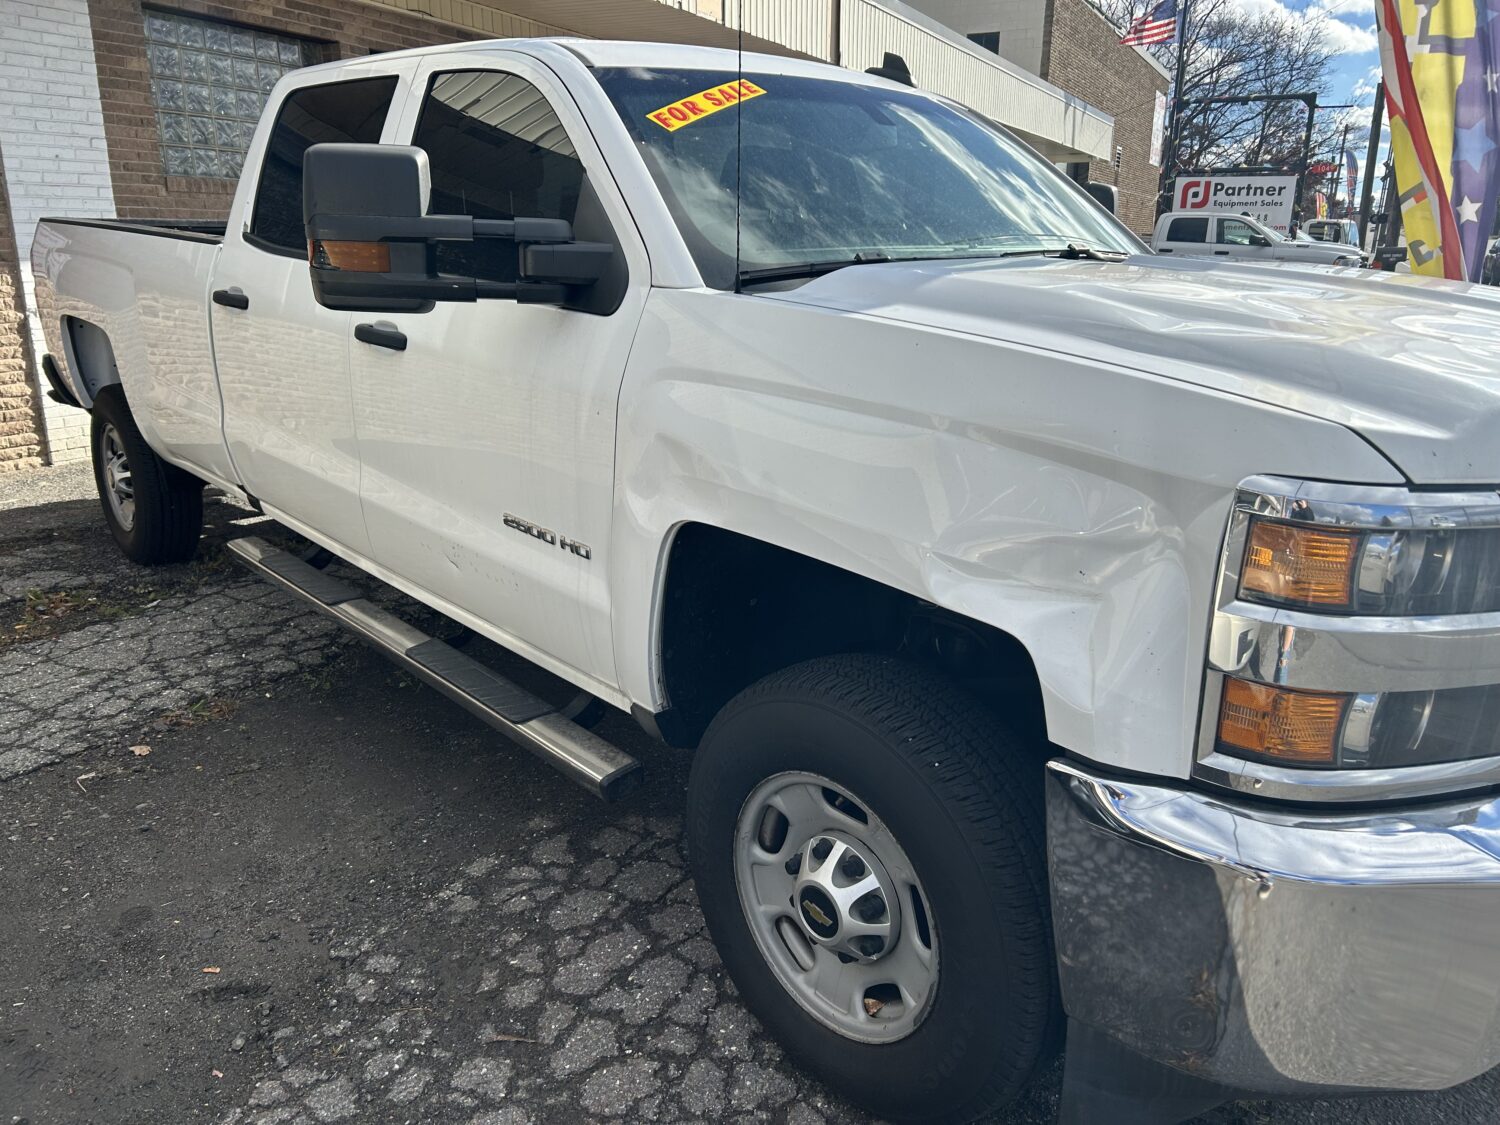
{"x":894,"y":67}
{"x":739,"y":118}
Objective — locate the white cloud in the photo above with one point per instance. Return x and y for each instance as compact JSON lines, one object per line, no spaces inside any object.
{"x":1364,"y":89}
{"x":1348,"y":39}
{"x":1331,"y":17}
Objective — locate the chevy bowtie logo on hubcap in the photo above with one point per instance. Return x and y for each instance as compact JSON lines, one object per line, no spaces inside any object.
{"x":818,"y":912}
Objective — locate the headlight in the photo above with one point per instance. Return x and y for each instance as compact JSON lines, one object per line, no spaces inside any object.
{"x":1384,"y":572}
{"x":1356,"y":633}
{"x":1342,"y":730}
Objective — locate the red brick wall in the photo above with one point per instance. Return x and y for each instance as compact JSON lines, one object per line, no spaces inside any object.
{"x":20,"y":410}
{"x":1082,"y":54}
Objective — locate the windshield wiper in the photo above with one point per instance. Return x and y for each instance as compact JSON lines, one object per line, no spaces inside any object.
{"x":1073,"y":251}
{"x":1077,"y":251}
{"x":798,"y":270}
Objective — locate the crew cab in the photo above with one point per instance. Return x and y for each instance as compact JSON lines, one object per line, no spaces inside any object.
{"x":1070,"y":636}
{"x":1224,"y":235}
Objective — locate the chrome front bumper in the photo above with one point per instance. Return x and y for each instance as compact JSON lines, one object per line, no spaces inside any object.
{"x":1279,"y":951}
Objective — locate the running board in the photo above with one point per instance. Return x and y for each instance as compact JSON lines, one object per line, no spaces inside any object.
{"x":599,"y":766}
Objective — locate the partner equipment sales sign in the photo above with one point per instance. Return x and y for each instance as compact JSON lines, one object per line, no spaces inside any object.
{"x":1268,"y":199}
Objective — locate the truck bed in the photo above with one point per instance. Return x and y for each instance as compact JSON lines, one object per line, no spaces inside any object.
{"x":127,"y":301}
{"x":197,"y":230}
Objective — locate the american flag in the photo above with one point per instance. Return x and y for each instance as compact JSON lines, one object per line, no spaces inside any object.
{"x":1159,"y":25}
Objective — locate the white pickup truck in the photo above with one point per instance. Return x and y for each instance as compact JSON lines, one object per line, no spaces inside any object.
{"x":1221,"y":234}
{"x":1071,"y":637}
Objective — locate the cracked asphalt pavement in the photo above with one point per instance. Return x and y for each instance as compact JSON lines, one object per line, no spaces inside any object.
{"x":250,"y":874}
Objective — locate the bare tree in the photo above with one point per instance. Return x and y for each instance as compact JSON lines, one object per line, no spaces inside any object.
{"x":1231,"y":52}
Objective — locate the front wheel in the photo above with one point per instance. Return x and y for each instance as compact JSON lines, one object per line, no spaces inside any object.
{"x":867,"y":845}
{"x":153,"y":509}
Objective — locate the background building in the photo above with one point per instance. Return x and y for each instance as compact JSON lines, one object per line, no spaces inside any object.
{"x":143,"y":110}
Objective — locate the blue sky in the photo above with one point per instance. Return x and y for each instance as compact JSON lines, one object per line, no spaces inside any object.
{"x":1348,"y":27}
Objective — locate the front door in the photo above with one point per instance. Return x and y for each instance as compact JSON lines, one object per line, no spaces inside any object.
{"x":1238,"y":239}
{"x":283,"y":359}
{"x":488,"y":442}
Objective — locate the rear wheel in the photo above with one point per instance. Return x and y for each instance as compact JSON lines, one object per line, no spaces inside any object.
{"x":867,"y":846}
{"x":153,"y":509}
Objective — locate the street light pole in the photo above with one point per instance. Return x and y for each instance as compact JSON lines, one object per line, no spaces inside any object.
{"x":1174,"y":126}
{"x":1371,"y":152}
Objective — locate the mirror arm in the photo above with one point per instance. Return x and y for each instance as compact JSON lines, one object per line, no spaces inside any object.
{"x":437,"y":228}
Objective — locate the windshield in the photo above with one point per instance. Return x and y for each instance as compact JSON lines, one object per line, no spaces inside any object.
{"x":836,"y":171}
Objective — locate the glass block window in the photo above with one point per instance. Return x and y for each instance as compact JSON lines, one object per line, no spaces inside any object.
{"x":210,"y":81}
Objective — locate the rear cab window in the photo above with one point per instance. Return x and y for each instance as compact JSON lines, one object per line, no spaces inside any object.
{"x":1188,"y":230}
{"x":335,"y":111}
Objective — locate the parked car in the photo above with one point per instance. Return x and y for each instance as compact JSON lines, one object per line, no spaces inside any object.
{"x":1064,"y":631}
{"x":1223,"y":235}
{"x":1342,"y":231}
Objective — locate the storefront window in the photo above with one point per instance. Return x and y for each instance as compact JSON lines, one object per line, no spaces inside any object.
{"x":210,"y":81}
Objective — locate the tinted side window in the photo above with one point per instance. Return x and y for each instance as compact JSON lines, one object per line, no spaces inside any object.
{"x":1188,"y":230}
{"x":339,"y":111}
{"x":496,"y":151}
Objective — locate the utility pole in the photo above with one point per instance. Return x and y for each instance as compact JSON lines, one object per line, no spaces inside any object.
{"x":1311,"y":101}
{"x":1377,"y":118}
{"x":1338,"y":172}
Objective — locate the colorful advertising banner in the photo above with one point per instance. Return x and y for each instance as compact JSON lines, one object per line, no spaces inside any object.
{"x":1441,"y":62}
{"x":1351,"y":176}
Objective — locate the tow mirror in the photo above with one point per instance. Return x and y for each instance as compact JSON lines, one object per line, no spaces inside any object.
{"x":372,"y":246}
{"x":1259,"y":240}
{"x":1106,"y":195}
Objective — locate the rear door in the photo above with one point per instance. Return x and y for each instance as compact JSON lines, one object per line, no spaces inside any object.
{"x":488,"y":440}
{"x":1186,"y":234}
{"x":283,"y":359}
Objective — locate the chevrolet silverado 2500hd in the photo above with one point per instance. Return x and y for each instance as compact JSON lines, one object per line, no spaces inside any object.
{"x":1072,"y":638}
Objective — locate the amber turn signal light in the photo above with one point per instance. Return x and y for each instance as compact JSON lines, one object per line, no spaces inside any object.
{"x":354,"y":257}
{"x":1297,"y":565}
{"x":1298,"y":727}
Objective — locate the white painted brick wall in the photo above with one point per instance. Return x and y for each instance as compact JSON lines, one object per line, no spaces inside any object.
{"x":56,"y":160}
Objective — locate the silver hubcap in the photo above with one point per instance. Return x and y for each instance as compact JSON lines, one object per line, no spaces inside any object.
{"x":119,"y":489}
{"x":835,"y":907}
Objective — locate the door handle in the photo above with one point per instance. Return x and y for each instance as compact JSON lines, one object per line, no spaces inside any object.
{"x":1222,"y":253}
{"x":381,"y":336}
{"x":231,"y":299}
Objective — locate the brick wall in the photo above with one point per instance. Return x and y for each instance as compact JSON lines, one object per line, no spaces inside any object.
{"x":20,"y":415}
{"x":1083,"y":55}
{"x":53,"y":149}
{"x":345,"y":29}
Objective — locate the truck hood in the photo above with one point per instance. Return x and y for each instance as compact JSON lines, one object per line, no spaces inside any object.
{"x":1412,"y":364}
{"x":1314,"y":251}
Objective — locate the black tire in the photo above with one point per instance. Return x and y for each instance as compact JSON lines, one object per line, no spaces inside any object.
{"x":168,"y":502}
{"x":963,"y":797}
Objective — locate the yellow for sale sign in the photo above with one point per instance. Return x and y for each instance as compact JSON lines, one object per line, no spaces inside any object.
{"x":685,"y":112}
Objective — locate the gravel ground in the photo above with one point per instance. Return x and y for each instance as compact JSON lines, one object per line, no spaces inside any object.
{"x":253,"y":875}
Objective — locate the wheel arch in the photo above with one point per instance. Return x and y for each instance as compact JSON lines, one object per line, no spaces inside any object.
{"x":90,"y":358}
{"x":733,"y":608}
